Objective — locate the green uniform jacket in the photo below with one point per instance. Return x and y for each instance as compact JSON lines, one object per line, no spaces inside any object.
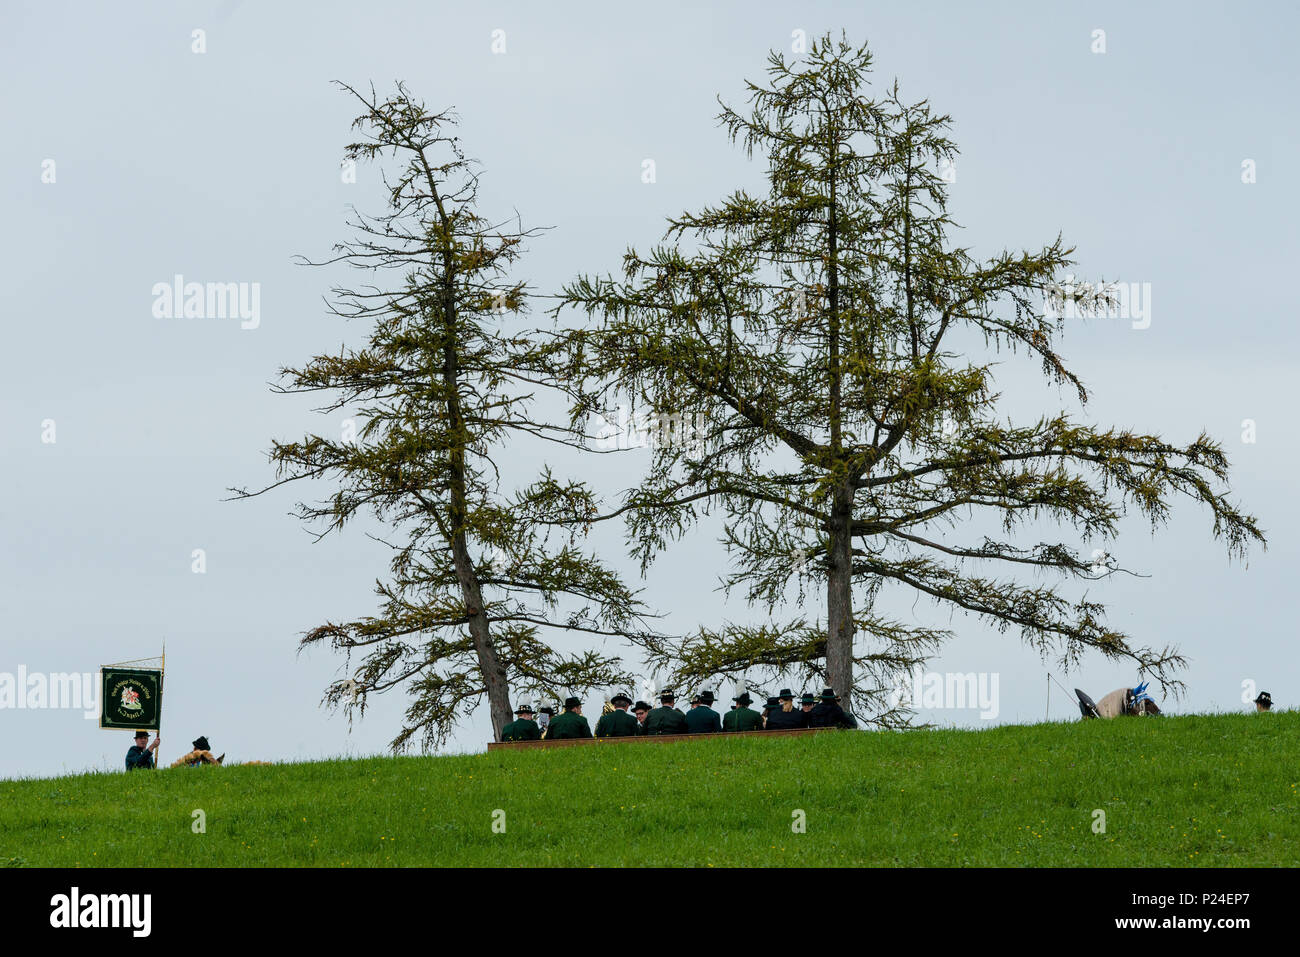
{"x":617,"y":724}
{"x":703,"y":720}
{"x":665,"y":721}
{"x":742,"y":719}
{"x":568,"y":725}
{"x":521,"y":729}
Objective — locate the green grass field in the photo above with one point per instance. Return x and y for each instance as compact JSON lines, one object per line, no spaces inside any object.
{"x":1218,"y":791}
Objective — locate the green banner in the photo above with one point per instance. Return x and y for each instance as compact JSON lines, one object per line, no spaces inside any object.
{"x":130,"y":698}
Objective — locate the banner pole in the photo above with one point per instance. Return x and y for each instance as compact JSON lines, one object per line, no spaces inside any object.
{"x":162,"y":680}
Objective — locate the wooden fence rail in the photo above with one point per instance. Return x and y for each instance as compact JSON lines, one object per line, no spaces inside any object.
{"x":565,"y":742}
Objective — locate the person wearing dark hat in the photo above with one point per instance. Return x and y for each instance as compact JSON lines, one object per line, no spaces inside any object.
{"x":1264,"y":702}
{"x":829,"y":714}
{"x":742,"y":717}
{"x":139,"y":756}
{"x":202,"y":754}
{"x":785,"y":717}
{"x":544,"y":716}
{"x":642,"y":711}
{"x":617,"y":723}
{"x":571,"y":724}
{"x":666,"y":719}
{"x":769,"y":708}
{"x":523,"y":728}
{"x":807,"y":701}
{"x":703,"y":719}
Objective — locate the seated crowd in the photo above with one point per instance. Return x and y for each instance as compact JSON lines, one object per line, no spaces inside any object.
{"x":779,"y":714}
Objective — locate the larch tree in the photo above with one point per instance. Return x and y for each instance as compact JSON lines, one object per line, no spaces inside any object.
{"x":838,"y":347}
{"x":482,"y":575}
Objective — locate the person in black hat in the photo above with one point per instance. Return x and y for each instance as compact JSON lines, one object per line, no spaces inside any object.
{"x":544,"y":716}
{"x":571,"y":724}
{"x":704,"y":720}
{"x":523,"y":728}
{"x":807,"y":701}
{"x":139,"y":756}
{"x":829,"y":714}
{"x":618,"y":723}
{"x":771,"y":706}
{"x":642,"y":711}
{"x":1264,"y":702}
{"x":785,"y":717}
{"x":666,"y":719}
{"x":202,"y":754}
{"x":742,"y":717}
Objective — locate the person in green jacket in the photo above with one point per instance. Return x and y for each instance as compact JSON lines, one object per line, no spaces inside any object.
{"x":571,"y":724}
{"x":523,"y":728}
{"x":666,"y":719}
{"x":618,"y":723}
{"x":703,"y":719}
{"x":642,"y":711}
{"x":742,"y":717}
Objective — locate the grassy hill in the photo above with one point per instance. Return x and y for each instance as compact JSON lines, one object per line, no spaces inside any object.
{"x":1219,"y":790}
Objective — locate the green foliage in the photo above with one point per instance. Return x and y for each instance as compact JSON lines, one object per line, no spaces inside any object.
{"x":482,"y":575}
{"x":812,"y":328}
{"x":1205,"y":791}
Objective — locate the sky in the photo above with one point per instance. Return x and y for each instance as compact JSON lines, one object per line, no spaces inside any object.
{"x":1154,"y":138}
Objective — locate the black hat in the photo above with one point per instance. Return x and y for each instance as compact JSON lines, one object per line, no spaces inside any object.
{"x":201,"y":744}
{"x":743,"y":699}
{"x":707,"y":697}
{"x":786,"y":693}
{"x":524,"y":709}
{"x":546,"y":709}
{"x":620,"y":697}
{"x":642,"y":706}
{"x":142,"y":733}
{"x":828,"y":694}
{"x":807,"y":698}
{"x":1264,"y":700}
{"x":571,"y":703}
{"x":667,"y":695}
{"x":695,"y":699}
{"x":772,"y":703}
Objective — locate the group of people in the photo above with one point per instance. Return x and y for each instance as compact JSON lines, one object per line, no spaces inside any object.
{"x":779,"y":714}
{"x":143,"y":755}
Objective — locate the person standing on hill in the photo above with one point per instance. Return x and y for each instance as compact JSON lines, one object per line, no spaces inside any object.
{"x":138,"y":756}
{"x":785,"y":718}
{"x":617,"y":723}
{"x":807,"y":701}
{"x":742,"y":717}
{"x":523,"y":728}
{"x":571,"y":724}
{"x":829,"y":714}
{"x":642,"y":711}
{"x":666,"y":719}
{"x":704,"y":720}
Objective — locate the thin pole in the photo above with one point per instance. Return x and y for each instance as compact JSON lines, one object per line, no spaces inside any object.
{"x":1047,"y":715}
{"x":162,"y":677}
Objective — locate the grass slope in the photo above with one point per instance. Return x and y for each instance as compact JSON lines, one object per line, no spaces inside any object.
{"x":1219,"y":790}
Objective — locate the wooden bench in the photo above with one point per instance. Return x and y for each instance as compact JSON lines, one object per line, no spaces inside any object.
{"x":565,"y":742}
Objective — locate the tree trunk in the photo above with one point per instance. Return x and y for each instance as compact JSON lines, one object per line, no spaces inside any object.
{"x":494,"y":676}
{"x":839,"y":595}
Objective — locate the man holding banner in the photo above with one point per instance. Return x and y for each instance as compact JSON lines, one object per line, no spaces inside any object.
{"x":139,"y":756}
{"x":131,"y":697}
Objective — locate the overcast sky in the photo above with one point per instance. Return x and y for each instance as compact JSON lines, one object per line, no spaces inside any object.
{"x":223,"y":165}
